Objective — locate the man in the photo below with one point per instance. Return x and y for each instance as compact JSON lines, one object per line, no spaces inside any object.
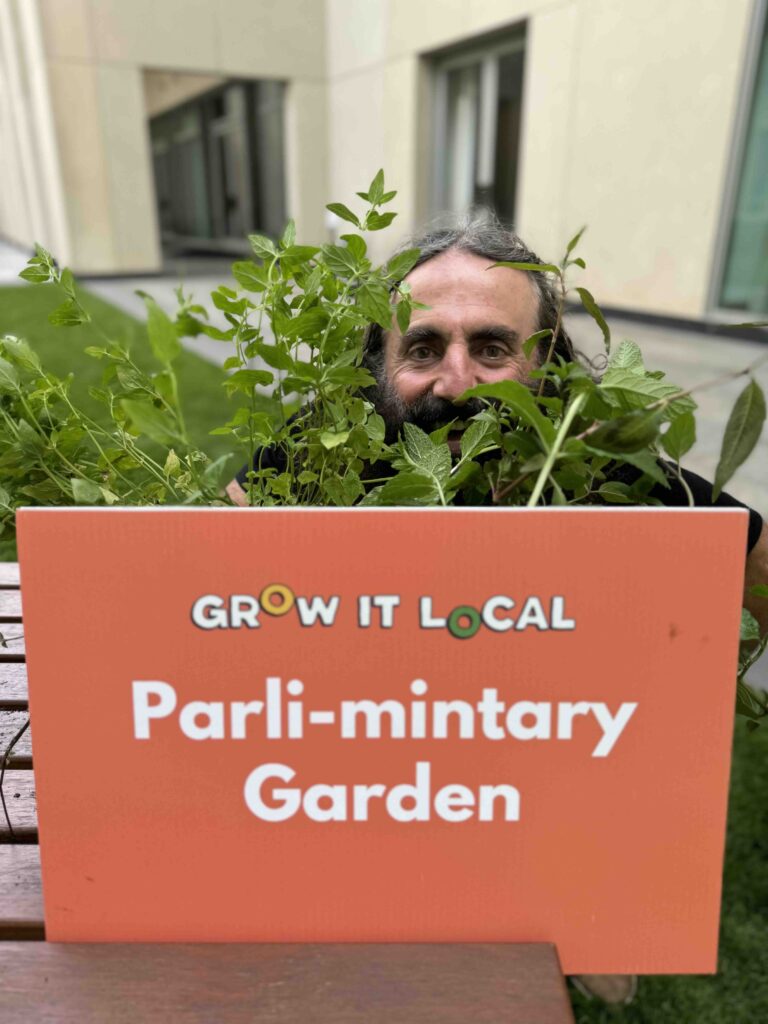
{"x":472,"y":333}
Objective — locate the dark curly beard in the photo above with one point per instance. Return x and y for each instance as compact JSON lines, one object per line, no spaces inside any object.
{"x":427,"y":412}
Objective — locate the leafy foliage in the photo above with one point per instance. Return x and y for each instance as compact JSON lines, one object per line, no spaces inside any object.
{"x":295,"y":327}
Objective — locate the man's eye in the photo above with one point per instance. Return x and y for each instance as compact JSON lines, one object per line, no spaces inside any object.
{"x":420,"y":353}
{"x":493,"y":351}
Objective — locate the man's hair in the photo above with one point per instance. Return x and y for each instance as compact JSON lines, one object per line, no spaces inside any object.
{"x":481,"y":234}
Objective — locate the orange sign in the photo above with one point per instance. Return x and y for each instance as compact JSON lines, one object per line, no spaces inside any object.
{"x":386,"y":725}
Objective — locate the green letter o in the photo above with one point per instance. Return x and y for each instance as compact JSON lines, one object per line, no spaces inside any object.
{"x":464,"y":611}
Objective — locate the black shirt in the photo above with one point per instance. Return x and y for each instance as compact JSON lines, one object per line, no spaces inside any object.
{"x":674,"y":496}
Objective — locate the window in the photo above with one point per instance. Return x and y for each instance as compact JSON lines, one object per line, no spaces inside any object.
{"x":745,"y":280}
{"x":218,"y":163}
{"x":478,"y":101}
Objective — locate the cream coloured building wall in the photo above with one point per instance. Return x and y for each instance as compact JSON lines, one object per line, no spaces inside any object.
{"x":96,"y":53}
{"x":629,"y":114}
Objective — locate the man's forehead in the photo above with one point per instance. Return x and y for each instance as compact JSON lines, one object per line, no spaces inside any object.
{"x":467,"y":291}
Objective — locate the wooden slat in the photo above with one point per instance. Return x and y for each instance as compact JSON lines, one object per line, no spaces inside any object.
{"x":13,"y":649}
{"x":9,"y":574}
{"x":282,"y":984}
{"x":21,"y":894}
{"x":19,"y":790}
{"x":10,"y":605}
{"x":10,"y":723}
{"x":13,"y":686}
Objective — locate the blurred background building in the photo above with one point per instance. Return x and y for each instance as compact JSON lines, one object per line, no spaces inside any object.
{"x":133,"y":132}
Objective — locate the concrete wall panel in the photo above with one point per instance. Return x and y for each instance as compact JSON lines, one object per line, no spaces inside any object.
{"x":306,"y":151}
{"x":128,"y":167}
{"x":84,"y":171}
{"x":156,"y":33}
{"x":67,"y":29}
{"x":357,"y":140}
{"x":357,"y":35}
{"x":651,"y":127}
{"x":272,"y":38}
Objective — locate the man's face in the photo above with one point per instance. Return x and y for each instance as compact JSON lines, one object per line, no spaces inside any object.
{"x":471,"y":334}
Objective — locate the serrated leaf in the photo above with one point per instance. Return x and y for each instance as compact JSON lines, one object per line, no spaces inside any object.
{"x":67,"y":282}
{"x":330,"y":439}
{"x":748,"y":703}
{"x":588,"y":302}
{"x":373,"y":299}
{"x":289,"y":235}
{"x":162,"y":333}
{"x":615,"y":492}
{"x":402,"y":263}
{"x":742,"y":432}
{"x":85,"y":492}
{"x":68,"y":315}
{"x":750,"y":628}
{"x":627,"y":357}
{"x":631,"y":390}
{"x":35,"y":273}
{"x":376,"y":188}
{"x":530,"y":344}
{"x":149,"y":420}
{"x":344,"y":212}
{"x":403,"y":314}
{"x":9,"y":377}
{"x":408,"y":488}
{"x":574,"y":241}
{"x":377,"y":221}
{"x":307,"y":324}
{"x":247,"y":380}
{"x":480,"y":436}
{"x":340,"y":259}
{"x":172,"y":465}
{"x":424,"y":455}
{"x":249,"y":276}
{"x":263,"y":247}
{"x":629,"y":433}
{"x":21,"y":353}
{"x":519,"y":399}
{"x":356,"y":246}
{"x":680,"y":437}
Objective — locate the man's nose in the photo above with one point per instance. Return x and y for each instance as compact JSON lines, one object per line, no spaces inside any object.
{"x":456,"y":373}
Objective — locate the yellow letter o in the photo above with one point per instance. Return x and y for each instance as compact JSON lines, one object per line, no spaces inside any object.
{"x":279,"y":590}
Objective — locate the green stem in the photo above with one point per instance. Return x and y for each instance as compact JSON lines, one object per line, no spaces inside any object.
{"x":562,"y":434}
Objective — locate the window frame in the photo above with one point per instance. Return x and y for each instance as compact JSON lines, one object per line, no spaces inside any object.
{"x":487,"y":52}
{"x":755,"y":34}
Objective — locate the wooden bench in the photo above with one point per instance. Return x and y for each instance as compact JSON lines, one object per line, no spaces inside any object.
{"x":275,"y":983}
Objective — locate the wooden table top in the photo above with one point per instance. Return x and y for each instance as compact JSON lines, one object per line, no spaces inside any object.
{"x":55,"y":983}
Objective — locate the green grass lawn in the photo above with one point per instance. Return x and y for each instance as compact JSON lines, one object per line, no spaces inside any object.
{"x":738,"y":994}
{"x":24,"y":312}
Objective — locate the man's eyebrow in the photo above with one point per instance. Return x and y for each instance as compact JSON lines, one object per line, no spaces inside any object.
{"x":494,"y":332}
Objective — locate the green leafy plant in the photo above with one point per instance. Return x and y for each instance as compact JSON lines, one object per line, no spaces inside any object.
{"x":295,"y":327}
